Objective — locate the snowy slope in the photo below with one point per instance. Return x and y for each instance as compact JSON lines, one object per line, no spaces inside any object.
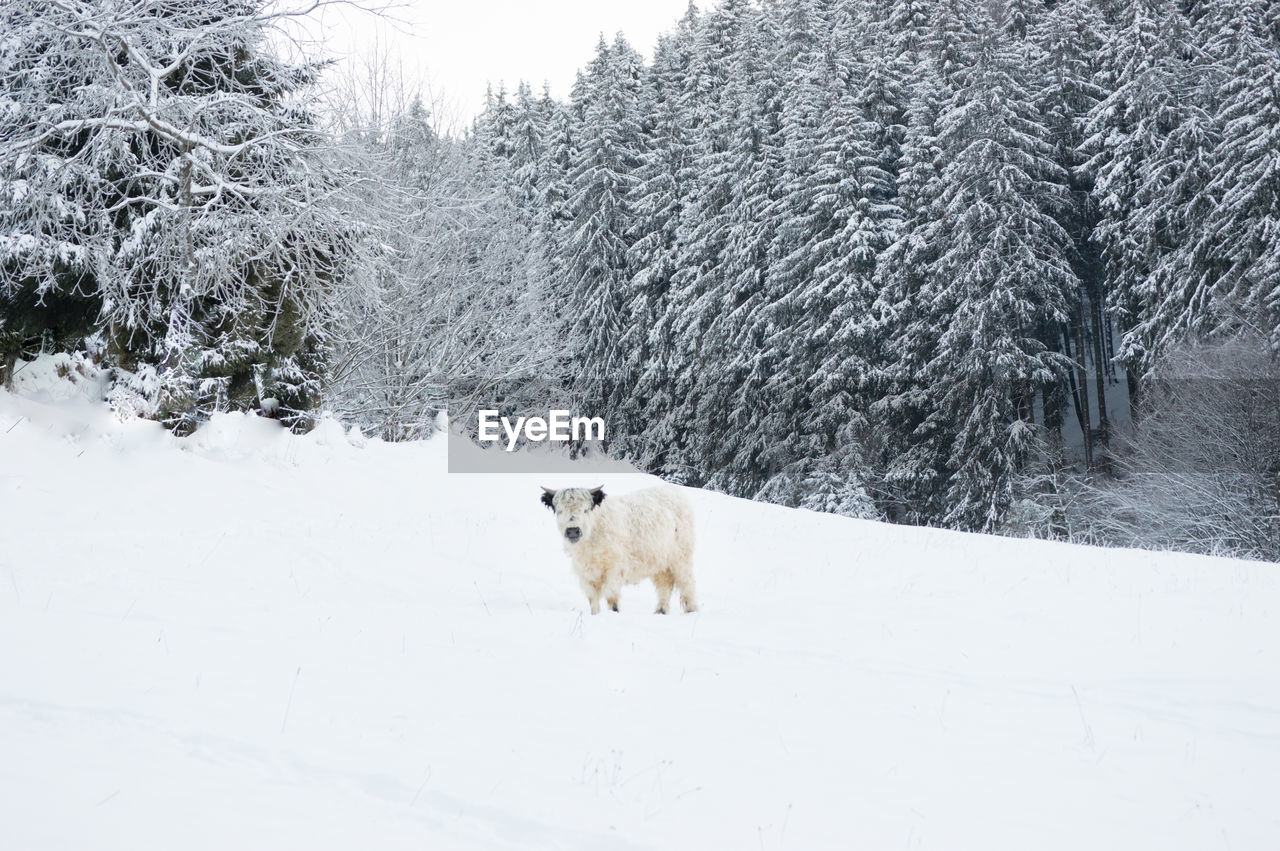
{"x":252,"y":640}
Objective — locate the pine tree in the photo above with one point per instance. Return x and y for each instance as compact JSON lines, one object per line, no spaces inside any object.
{"x":528,"y":157}
{"x":1069,"y":38}
{"x":755,"y":393}
{"x":952,"y":33}
{"x":913,"y":448}
{"x":1139,"y":140}
{"x":966,"y":336}
{"x":1234,"y":264}
{"x":601,"y":187}
{"x":701,"y":233}
{"x":660,"y":194}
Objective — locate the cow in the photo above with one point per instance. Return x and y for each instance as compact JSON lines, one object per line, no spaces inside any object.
{"x":624,"y":540}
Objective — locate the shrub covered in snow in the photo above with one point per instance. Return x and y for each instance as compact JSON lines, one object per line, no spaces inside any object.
{"x":1201,"y":472}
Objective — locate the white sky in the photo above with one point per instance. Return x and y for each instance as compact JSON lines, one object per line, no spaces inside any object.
{"x":461,"y":46}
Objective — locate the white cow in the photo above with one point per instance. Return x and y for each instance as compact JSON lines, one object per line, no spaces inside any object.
{"x":623,"y":540}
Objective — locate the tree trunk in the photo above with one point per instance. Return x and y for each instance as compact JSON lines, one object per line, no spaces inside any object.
{"x":8,"y":363}
{"x":1099,"y":359}
{"x":1082,"y":397}
{"x":1073,"y":390}
{"x":1131,"y":378}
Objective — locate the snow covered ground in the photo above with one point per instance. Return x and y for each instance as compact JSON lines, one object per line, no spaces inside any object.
{"x":253,"y":640}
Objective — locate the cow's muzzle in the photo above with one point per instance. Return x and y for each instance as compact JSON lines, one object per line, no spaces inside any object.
{"x":573,"y":533}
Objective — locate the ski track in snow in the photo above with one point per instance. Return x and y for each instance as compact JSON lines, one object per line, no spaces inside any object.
{"x":254,"y":640}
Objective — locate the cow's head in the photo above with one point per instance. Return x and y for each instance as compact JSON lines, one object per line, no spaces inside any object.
{"x":574,"y":509}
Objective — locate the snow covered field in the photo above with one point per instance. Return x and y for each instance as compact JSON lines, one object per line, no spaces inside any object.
{"x":253,"y":640}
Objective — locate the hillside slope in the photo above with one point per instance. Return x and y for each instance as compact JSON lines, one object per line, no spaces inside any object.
{"x":255,"y":640}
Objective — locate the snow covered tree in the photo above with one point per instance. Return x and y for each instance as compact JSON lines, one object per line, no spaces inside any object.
{"x":48,"y":266}
{"x":749,"y":390}
{"x":707,"y":184}
{"x":1232,"y":257}
{"x":558,"y":153}
{"x":911,"y":449}
{"x":649,"y":340}
{"x":1069,"y":38}
{"x":601,"y":185}
{"x":527,"y":157}
{"x":951,"y":36}
{"x":965,"y":344}
{"x":1136,"y":153}
{"x":179,"y":183}
{"x":445,"y":299}
{"x":832,"y":216}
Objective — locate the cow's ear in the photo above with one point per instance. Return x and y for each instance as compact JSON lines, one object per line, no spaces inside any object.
{"x":547,"y":496}
{"x":597,"y":495}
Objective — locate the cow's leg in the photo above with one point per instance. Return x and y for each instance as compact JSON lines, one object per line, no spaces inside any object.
{"x":688,"y":595}
{"x":663,"y":581}
{"x":612,"y":590}
{"x":592,"y":590}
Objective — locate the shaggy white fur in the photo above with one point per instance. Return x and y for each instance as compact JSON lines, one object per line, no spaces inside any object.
{"x":623,"y":540}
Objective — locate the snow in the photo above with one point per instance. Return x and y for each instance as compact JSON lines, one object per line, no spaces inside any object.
{"x":248,"y":639}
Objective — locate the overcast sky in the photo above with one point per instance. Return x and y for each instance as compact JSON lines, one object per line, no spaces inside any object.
{"x":461,"y":45}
